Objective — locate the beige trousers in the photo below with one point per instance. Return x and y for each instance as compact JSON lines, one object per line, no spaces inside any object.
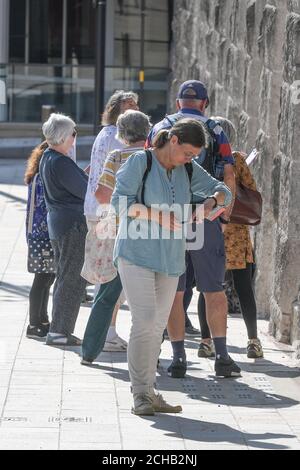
{"x":150,"y":297}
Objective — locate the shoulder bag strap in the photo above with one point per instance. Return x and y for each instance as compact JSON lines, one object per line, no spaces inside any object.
{"x":32,"y":205}
{"x":148,"y":169}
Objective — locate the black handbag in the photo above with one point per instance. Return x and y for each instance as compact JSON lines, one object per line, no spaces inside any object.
{"x":40,"y":258}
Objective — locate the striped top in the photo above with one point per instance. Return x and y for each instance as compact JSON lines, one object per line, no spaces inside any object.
{"x":112,"y":164}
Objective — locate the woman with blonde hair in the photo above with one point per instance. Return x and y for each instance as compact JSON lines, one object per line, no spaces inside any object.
{"x":39,"y":293}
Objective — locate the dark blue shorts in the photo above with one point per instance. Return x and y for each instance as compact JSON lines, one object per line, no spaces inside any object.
{"x":206,"y":267}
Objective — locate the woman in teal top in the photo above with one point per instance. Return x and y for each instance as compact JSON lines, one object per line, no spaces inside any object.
{"x":150,"y":245}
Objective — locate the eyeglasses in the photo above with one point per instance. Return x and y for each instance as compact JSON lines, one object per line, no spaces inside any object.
{"x":74,"y":133}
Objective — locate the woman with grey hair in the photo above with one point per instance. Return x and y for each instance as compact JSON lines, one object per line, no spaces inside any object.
{"x":65,"y":187}
{"x":133,"y":128}
{"x":239,"y":261}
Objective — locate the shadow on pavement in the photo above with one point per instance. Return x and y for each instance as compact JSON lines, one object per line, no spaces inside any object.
{"x":203,"y":431}
{"x":19,"y":291}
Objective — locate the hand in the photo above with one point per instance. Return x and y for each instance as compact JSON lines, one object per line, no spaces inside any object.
{"x":198,"y":215}
{"x":209,"y":205}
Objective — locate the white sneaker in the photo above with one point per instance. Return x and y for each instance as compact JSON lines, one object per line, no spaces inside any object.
{"x":116,"y":344}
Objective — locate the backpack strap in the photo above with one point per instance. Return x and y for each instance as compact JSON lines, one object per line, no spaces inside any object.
{"x":209,"y":163}
{"x":189,"y":169}
{"x":210,"y":125}
{"x":148,"y":169}
{"x":172,"y":119}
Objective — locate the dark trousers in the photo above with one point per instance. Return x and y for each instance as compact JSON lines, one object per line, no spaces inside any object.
{"x":38,"y":298}
{"x":242,"y":279}
{"x":188,"y":294}
{"x":100,"y":319}
{"x":69,"y":285}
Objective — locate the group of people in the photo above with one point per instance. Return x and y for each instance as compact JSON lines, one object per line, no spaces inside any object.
{"x":136,"y":189}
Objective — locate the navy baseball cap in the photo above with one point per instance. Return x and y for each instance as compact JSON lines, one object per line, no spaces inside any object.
{"x":192,"y":90}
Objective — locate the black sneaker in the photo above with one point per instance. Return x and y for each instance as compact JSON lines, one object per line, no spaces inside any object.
{"x":191,"y":331}
{"x":177,"y":369}
{"x":45,"y":327}
{"x":227,"y":368}
{"x":36,"y":332}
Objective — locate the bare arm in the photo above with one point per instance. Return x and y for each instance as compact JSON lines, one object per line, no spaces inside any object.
{"x":103,"y":194}
{"x":229,"y":180}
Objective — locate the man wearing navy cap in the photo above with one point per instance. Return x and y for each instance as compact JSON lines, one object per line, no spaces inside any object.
{"x":209,"y":262}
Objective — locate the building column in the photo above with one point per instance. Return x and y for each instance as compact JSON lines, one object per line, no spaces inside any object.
{"x":4,"y":55}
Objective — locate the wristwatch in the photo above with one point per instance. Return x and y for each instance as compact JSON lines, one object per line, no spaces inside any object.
{"x":215,"y":199}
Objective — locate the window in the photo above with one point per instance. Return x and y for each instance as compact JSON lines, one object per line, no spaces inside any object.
{"x":127,"y":33}
{"x":133,"y":45}
{"x":81,"y":32}
{"x":157,"y":21}
{"x":45,"y":39}
{"x":17,"y":31}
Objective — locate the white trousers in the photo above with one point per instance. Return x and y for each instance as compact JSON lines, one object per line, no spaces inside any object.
{"x":150,"y":297}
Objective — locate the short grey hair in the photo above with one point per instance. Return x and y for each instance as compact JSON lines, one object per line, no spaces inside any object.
{"x":58,"y":128}
{"x":133,"y":126}
{"x":228,"y":127}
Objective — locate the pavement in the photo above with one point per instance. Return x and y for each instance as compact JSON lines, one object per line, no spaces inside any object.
{"x":49,"y":401}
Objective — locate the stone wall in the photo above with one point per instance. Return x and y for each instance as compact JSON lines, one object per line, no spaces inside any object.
{"x":248,"y":53}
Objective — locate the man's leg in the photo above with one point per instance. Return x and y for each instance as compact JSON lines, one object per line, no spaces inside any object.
{"x":216,"y":313}
{"x":190,"y":330}
{"x":206,"y":346}
{"x":209,"y":268}
{"x":176,"y":322}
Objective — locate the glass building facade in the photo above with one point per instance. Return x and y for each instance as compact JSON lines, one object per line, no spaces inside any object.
{"x":51,"y":57}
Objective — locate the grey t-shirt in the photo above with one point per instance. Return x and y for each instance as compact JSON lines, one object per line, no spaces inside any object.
{"x":65,"y":186}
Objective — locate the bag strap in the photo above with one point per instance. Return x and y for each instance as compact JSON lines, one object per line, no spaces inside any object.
{"x":188,"y":168}
{"x":32,"y":204}
{"x":148,"y":169}
{"x":172,"y":119}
